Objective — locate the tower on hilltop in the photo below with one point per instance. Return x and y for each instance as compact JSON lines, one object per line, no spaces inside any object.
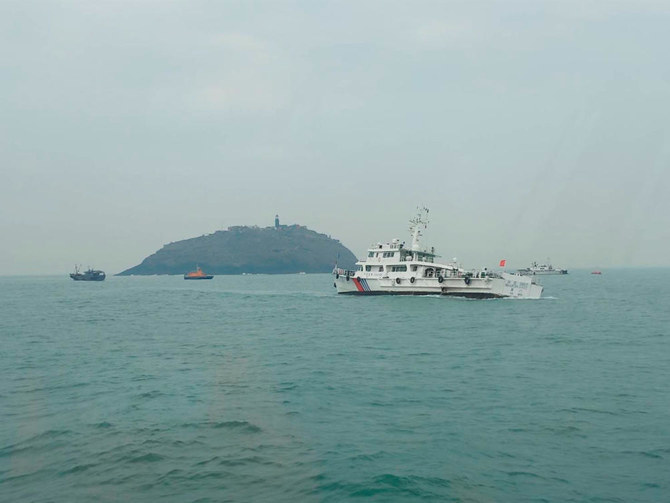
{"x":276,"y":221}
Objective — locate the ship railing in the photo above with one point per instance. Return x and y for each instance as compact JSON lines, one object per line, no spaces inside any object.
{"x":474,"y":273}
{"x":343,"y":272}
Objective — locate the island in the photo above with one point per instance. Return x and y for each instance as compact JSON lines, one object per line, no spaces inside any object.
{"x":282,"y":249}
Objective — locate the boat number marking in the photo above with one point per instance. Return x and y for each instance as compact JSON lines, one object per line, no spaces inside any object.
{"x":516,"y":284}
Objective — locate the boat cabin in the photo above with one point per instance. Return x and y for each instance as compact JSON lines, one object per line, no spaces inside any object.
{"x":394,"y":260}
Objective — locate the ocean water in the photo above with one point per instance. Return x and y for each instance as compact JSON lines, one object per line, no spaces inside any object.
{"x":274,"y":388}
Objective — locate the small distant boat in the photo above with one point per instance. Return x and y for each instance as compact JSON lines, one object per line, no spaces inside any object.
{"x":543,"y":269}
{"x":197,"y":274}
{"x":90,"y":275}
{"x":596,"y":272}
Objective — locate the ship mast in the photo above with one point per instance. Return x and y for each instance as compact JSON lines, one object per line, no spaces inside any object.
{"x":421,"y":219}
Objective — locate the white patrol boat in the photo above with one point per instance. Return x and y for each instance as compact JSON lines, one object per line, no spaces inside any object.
{"x":545,"y":269}
{"x":392,"y":268}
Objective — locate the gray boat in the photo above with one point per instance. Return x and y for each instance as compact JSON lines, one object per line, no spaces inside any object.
{"x":89,"y":275}
{"x":543,"y":269}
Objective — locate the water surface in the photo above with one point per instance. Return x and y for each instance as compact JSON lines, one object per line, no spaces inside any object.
{"x":274,"y":388}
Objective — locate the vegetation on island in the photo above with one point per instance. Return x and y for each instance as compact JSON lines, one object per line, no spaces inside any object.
{"x":282,"y":249}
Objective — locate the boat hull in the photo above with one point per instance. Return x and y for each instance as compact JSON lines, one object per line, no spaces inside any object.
{"x":543,"y":273}
{"x":508,"y":285}
{"x":87,"y":277}
{"x":198,"y":277}
{"x":541,"y":270}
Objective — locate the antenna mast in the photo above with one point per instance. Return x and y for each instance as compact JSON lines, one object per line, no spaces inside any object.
{"x":415,"y":224}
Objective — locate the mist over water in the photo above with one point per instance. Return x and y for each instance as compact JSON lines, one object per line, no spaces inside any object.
{"x":274,"y":388}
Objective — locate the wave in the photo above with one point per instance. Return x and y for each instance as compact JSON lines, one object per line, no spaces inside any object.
{"x":241,"y":426}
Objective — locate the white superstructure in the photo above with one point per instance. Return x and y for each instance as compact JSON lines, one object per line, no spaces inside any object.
{"x":394,"y":268}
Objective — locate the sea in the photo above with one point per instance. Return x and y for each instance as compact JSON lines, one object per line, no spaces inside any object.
{"x":270,"y":388}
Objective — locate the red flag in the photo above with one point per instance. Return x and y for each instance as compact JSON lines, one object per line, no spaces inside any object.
{"x":503,"y":262}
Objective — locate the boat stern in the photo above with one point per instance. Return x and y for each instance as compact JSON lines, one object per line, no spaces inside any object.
{"x":520,"y":287}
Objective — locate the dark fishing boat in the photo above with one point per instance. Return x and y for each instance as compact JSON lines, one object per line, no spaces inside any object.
{"x":197,"y":274}
{"x":90,"y":275}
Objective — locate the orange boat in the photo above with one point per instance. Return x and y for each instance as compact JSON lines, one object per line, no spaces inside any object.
{"x":197,"y":274}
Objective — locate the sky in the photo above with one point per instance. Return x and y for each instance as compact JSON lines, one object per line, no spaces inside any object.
{"x":531,"y":130}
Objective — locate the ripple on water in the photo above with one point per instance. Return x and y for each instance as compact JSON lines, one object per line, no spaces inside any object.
{"x":37,"y":442}
{"x":77,"y":469}
{"x":238,"y":426}
{"x":149,"y":457}
{"x":389,"y":486}
{"x":243,"y":426}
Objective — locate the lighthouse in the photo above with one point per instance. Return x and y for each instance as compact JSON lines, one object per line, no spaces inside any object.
{"x":276,"y":221}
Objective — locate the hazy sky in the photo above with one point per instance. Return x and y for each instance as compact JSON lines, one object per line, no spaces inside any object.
{"x":530,"y":129}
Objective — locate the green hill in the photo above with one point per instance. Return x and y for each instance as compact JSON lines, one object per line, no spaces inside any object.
{"x":269,"y":250}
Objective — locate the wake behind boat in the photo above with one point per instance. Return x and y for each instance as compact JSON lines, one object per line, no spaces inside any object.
{"x":197,"y":274}
{"x":392,"y":268}
{"x":89,"y":275}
